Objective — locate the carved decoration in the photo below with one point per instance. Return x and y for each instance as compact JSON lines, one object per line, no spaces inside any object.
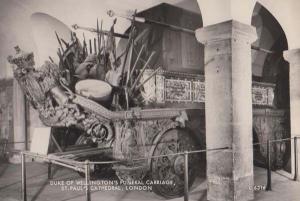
{"x":270,"y":125}
{"x":178,"y":90}
{"x":148,"y":91}
{"x":184,"y":87}
{"x":135,"y":140}
{"x":160,"y":88}
{"x":262,"y":94}
{"x":57,"y":107}
{"x":199,"y":92}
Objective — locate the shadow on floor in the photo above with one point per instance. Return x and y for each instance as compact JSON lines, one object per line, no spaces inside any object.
{"x":3,"y":168}
{"x":43,"y":186}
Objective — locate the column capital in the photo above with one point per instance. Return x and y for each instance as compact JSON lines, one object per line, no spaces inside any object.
{"x":231,"y":29}
{"x":292,"y":56}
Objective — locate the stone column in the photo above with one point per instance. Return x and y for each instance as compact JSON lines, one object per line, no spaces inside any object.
{"x":228,"y":109}
{"x":19,"y":121}
{"x":293,"y":57}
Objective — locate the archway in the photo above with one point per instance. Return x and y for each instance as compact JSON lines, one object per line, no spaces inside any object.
{"x":270,"y":76}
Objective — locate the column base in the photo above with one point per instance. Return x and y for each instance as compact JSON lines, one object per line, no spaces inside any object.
{"x":16,"y":159}
{"x":225,"y":189}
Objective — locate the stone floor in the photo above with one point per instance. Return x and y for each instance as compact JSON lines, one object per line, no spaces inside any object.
{"x":40,"y":189}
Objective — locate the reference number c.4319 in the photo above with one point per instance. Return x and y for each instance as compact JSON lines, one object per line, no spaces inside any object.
{"x":257,"y":187}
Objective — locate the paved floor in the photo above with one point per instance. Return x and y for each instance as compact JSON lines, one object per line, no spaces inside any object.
{"x":41,"y":189}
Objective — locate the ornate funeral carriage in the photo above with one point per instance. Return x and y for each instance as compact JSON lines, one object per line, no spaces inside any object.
{"x":131,"y":110}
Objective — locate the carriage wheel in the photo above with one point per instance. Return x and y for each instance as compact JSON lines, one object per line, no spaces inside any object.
{"x":170,"y":169}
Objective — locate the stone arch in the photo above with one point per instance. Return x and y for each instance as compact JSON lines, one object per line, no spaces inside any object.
{"x":286,"y":13}
{"x":270,"y":67}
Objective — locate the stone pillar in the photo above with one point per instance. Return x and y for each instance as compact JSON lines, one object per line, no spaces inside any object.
{"x":19,"y":121}
{"x":228,"y":109}
{"x":293,"y":57}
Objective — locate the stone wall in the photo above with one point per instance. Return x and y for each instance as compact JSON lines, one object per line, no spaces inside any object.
{"x":6,"y":109}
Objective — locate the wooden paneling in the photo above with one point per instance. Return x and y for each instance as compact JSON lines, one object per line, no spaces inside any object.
{"x":172,"y":54}
{"x":178,"y":50}
{"x":192,"y":53}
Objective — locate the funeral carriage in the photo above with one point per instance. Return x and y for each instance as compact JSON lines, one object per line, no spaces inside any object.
{"x":144,"y":100}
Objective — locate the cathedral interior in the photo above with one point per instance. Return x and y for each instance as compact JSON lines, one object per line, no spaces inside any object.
{"x":149,"y":100}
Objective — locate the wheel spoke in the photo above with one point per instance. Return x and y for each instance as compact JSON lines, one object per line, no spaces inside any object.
{"x":164,"y":172}
{"x":170,"y":168}
{"x":169,"y":151}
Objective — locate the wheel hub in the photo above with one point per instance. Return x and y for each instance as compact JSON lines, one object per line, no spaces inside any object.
{"x":179,"y":165}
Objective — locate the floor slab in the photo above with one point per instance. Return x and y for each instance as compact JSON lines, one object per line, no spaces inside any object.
{"x":39,"y":188}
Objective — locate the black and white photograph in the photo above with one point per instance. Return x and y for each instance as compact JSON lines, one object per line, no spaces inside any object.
{"x":145,"y":100}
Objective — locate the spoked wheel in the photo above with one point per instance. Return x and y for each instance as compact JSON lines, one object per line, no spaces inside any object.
{"x":170,"y":169}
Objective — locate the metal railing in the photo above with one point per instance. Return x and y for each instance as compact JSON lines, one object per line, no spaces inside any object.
{"x":269,"y":165}
{"x":85,"y":166}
